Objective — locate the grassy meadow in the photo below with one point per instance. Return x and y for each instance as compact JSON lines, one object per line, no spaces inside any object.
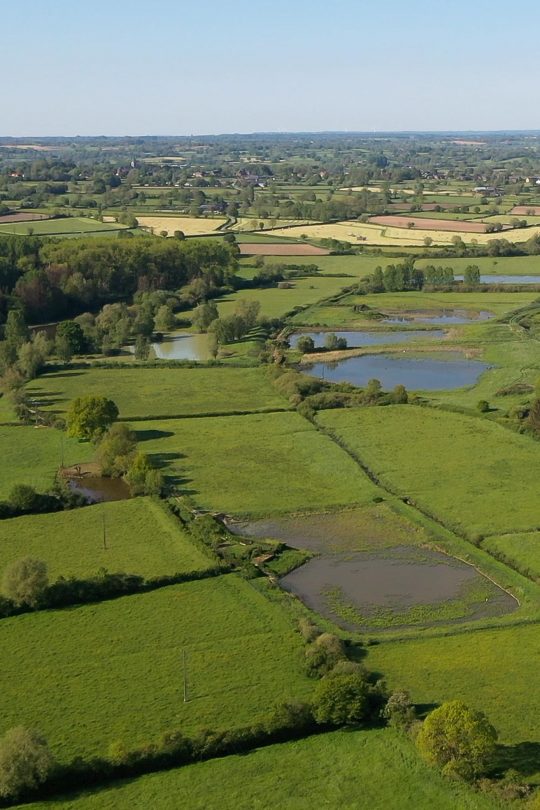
{"x":491,"y":670}
{"x":159,"y":392}
{"x":520,"y":550}
{"x":378,"y":769}
{"x":32,"y":455}
{"x":141,"y":538}
{"x":474,"y":475}
{"x":255,"y":465}
{"x":73,"y":226}
{"x":96,"y":674}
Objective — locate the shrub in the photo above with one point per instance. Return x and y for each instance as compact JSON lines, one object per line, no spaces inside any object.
{"x":341,"y":699}
{"x":305,"y":344}
{"x":323,"y":654}
{"x":483,"y":406}
{"x":25,"y":581}
{"x":25,"y":761}
{"x":399,"y":711}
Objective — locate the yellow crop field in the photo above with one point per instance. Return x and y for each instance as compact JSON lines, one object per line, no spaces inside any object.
{"x":369,"y":234}
{"x":253,"y":223}
{"x":191,"y":226}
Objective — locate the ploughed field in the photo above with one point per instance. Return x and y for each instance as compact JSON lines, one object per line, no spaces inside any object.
{"x":429,"y":224}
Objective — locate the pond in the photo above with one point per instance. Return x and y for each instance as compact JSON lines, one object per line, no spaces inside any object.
{"x":415,"y":373}
{"x":359,"y":338}
{"x":96,"y":488}
{"x":503,"y":279}
{"x":403,"y":587}
{"x":444,"y":316}
{"x":367,"y":575}
{"x":183,"y":346}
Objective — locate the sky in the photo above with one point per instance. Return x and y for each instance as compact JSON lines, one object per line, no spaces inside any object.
{"x":179,"y":67}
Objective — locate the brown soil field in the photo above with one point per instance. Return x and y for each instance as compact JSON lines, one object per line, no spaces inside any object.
{"x":523,"y":210}
{"x":430,"y":224}
{"x":22,"y":217}
{"x":281,"y":249}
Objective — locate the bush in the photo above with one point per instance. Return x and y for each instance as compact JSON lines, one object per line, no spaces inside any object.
{"x":25,"y":761}
{"x":483,"y":406}
{"x":399,"y":711}
{"x":323,"y":654}
{"x":305,"y":344}
{"x":25,"y":581}
{"x":341,"y":699}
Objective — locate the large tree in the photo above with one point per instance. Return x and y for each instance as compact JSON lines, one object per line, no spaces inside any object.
{"x":90,"y":416}
{"x":460,"y":740}
{"x":25,"y":761}
{"x":25,"y":581}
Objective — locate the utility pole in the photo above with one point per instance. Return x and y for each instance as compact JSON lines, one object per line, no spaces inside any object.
{"x":185,"y":675}
{"x":104,"y":526}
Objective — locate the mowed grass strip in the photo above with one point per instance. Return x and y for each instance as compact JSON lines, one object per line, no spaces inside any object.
{"x":141,"y":538}
{"x":255,"y":465}
{"x":520,"y":550}
{"x":32,"y":455}
{"x":96,"y":674}
{"x":67,"y":225}
{"x":157,"y":392}
{"x":492,"y":670}
{"x":474,"y":475}
{"x":376,"y":769}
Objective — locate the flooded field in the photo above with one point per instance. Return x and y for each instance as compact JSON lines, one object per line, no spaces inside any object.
{"x":503,"y":279}
{"x":445,"y":316}
{"x":373,"y":571}
{"x":362,"y":338}
{"x":415,"y":373}
{"x":183,"y":346}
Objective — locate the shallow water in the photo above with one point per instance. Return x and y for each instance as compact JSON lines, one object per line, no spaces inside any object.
{"x":359,"y":338}
{"x":183,"y":346}
{"x":98,"y":488}
{"x":445,"y":316}
{"x":416,"y":374}
{"x":489,"y":278}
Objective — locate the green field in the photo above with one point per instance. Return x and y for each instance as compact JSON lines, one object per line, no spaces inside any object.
{"x":492,"y":670}
{"x":474,"y":475}
{"x":158,"y":392}
{"x":259,"y":464}
{"x":351,"y":770}
{"x":92,"y":675}
{"x":141,"y":538}
{"x":501,"y":265}
{"x":33,"y":455}
{"x":68,"y":225}
{"x":354,"y":266}
{"x":521,"y":550}
{"x":277,"y":302}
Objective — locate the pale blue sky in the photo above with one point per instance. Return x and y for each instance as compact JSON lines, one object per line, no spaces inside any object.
{"x":194,"y":66}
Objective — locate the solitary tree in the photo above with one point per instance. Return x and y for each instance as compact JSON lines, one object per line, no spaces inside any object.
{"x":460,"y":740}
{"x":25,"y":761}
{"x":72,"y":335}
{"x":90,"y":416}
{"x":25,"y":581}
{"x":305,"y":344}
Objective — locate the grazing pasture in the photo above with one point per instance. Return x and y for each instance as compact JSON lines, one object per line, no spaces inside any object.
{"x":492,"y":670}
{"x":474,"y":475}
{"x":140,"y":538}
{"x":500,"y":265}
{"x":69,"y":226}
{"x":97,"y":674}
{"x":255,"y":465}
{"x":190,"y":226}
{"x":158,"y":392}
{"x":328,"y":771}
{"x":522,"y":551}
{"x":33,"y":455}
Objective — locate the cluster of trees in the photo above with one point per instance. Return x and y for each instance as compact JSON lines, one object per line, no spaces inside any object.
{"x":93,"y":418}
{"x":394,"y":278}
{"x":54,"y":278}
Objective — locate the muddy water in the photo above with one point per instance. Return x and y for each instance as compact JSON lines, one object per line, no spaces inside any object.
{"x":97,"y":488}
{"x":358,"y":338}
{"x":415,"y":373}
{"x":445,"y":316}
{"x":183,"y":346}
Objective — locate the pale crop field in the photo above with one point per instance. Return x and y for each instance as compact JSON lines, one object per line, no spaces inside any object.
{"x":253,"y":223}
{"x":370,"y":234}
{"x":190,"y":226}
